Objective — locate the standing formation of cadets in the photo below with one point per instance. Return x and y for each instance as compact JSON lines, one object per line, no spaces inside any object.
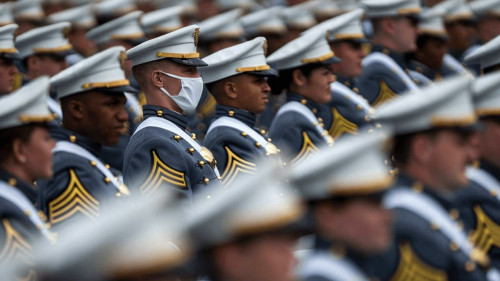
{"x":273,"y":140}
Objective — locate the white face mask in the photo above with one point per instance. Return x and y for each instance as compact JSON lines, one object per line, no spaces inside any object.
{"x":190,"y":93}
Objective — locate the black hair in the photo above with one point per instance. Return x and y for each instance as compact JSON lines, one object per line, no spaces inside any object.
{"x":285,"y":78}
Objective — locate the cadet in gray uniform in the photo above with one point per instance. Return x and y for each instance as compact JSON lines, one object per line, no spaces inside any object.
{"x":162,"y":153}
{"x":8,"y":53}
{"x":346,"y":202}
{"x":43,"y":51}
{"x":431,"y":57}
{"x":394,"y":34}
{"x":236,"y":76}
{"x":246,"y":232}
{"x":305,"y":74}
{"x":25,"y":146}
{"x":347,"y":111}
{"x":92,"y":100}
{"x":431,"y":150}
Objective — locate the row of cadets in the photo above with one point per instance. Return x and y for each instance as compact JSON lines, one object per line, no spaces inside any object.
{"x":236,"y":77}
{"x":347,"y":111}
{"x":431,"y":150}
{"x":478,"y":203}
{"x":25,"y":145}
{"x":161,"y":152}
{"x":245,"y":232}
{"x":92,"y":98}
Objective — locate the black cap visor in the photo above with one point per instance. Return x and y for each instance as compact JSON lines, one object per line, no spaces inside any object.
{"x":268,"y":72}
{"x":190,"y":62}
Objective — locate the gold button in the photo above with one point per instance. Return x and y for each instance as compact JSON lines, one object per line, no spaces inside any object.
{"x":93,"y":163}
{"x":367,"y":118}
{"x":27,"y":213}
{"x":39,"y":226}
{"x":230,"y":113}
{"x":72,"y":138}
{"x":219,"y":177}
{"x":322,"y":125}
{"x":201,"y":163}
{"x":269,"y":140}
{"x":315,"y":123}
{"x":193,"y":136}
{"x":378,"y":126}
{"x":118,"y":194}
{"x":470,"y":266}
{"x":159,"y":113}
{"x":177,"y":137}
{"x":494,"y":193}
{"x":386,"y":51}
{"x":206,"y":180}
{"x":257,"y":144}
{"x":359,"y":107}
{"x":12,"y":182}
{"x":356,"y":90}
{"x":320,"y":120}
{"x":434,"y":226}
{"x":303,"y":101}
{"x":347,"y":83}
{"x":315,"y":110}
{"x":454,"y":214}
{"x":324,"y":133}
{"x":262,"y":132}
{"x":453,"y":246}
{"x":418,"y":187}
{"x":244,"y":134}
{"x":107,"y":166}
{"x":191,"y":150}
{"x":107,"y":180}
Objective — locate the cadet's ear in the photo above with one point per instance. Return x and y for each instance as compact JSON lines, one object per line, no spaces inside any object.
{"x":18,"y":151}
{"x":387,"y":25}
{"x":230,"y":89}
{"x":421,"y":148}
{"x":298,"y":77}
{"x":75,"y":108}
{"x":157,"y":78}
{"x":32,"y":62}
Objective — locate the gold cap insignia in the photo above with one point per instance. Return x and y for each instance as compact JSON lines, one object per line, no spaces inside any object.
{"x":196,"y":34}
{"x":122,"y":57}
